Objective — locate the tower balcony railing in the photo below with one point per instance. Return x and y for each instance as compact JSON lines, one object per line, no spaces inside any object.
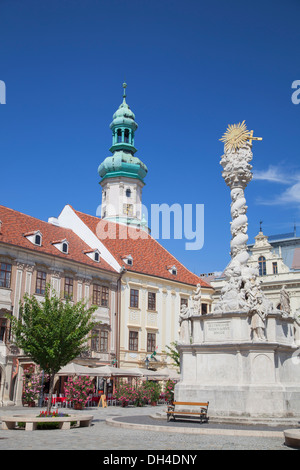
{"x":123,"y":146}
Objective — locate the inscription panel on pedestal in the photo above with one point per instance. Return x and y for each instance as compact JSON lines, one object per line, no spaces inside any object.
{"x":217,"y":330}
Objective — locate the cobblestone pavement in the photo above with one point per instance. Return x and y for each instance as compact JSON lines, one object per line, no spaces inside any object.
{"x":105,"y":437}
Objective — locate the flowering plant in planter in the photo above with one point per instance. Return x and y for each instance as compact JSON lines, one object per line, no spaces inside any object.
{"x":47,"y":423}
{"x":140,"y":396}
{"x":125,"y":394}
{"x":77,"y":390}
{"x":32,"y":385}
{"x":153,"y":389}
{"x":51,"y":414}
{"x":169,"y":391}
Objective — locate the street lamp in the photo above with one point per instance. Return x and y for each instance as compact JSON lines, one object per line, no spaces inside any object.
{"x":147,"y":362}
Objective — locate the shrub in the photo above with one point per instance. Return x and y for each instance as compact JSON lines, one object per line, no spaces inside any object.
{"x":169,"y":391}
{"x":77,"y":389}
{"x":32,"y":384}
{"x":138,"y":395}
{"x":153,"y":389}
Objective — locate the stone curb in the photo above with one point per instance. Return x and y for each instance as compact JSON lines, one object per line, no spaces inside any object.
{"x":182,"y":430}
{"x":292,"y":438}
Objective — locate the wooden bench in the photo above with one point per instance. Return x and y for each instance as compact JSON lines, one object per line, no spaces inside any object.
{"x":31,"y":422}
{"x":201,"y":412}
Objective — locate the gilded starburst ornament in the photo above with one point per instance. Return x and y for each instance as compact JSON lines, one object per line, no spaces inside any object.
{"x":236,"y":136}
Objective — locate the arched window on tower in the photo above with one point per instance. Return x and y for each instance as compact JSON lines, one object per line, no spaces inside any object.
{"x":262,"y":266}
{"x":119,"y":135}
{"x":126,"y":136}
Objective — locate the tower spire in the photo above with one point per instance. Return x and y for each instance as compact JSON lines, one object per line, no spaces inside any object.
{"x":124,"y":91}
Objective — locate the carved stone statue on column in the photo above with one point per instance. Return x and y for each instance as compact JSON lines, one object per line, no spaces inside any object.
{"x":197,"y":300}
{"x":258,"y":314}
{"x":285,"y":301}
{"x":184,"y":322}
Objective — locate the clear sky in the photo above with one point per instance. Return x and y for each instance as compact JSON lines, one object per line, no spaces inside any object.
{"x":192,"y":67}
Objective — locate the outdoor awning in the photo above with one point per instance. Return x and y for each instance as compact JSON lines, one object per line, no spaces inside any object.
{"x":109,"y":371}
{"x":76,"y":369}
{"x":151,"y":374}
{"x":171,"y":373}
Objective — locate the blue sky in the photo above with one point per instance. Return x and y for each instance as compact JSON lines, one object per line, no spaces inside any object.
{"x":191,"y":67}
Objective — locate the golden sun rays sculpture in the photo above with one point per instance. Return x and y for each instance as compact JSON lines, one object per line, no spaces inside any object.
{"x":236,"y":136}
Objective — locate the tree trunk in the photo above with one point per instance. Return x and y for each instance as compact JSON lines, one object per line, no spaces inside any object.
{"x":51,"y":386}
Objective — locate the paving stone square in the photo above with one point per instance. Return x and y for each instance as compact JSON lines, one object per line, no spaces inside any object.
{"x":142,"y":436}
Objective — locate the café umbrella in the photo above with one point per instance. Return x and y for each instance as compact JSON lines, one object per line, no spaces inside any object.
{"x":102,"y":371}
{"x":109,"y":371}
{"x":170,"y":373}
{"x":151,"y":374}
{"x":77,"y":369}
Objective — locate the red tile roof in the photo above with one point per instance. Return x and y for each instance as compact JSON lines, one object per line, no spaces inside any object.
{"x":149,"y":257}
{"x":16,"y":226}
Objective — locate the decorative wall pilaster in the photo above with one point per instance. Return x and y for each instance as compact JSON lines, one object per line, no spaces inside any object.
{"x":20,"y":265}
{"x":55,"y":283}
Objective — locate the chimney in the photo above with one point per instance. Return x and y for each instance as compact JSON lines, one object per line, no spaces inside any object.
{"x":53,"y":221}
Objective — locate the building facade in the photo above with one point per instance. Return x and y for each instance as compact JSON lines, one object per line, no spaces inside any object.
{"x":34,"y":254}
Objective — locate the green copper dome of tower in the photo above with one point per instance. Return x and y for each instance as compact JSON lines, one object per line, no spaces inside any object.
{"x":122,"y":174}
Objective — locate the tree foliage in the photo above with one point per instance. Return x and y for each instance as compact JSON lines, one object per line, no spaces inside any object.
{"x":174,"y":354}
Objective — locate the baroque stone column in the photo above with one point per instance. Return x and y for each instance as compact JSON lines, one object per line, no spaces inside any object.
{"x":237,"y":174}
{"x":241,"y":357}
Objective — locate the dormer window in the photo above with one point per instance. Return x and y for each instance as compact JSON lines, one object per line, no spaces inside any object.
{"x":34,"y":237}
{"x":62,"y":245}
{"x":128,"y":260}
{"x":173,"y":270}
{"x":94,"y":255}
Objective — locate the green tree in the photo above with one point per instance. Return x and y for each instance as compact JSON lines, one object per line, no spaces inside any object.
{"x":53,"y":332}
{"x":174,"y":354}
